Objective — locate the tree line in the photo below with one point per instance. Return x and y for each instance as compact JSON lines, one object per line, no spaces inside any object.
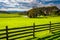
{"x":45,"y":11}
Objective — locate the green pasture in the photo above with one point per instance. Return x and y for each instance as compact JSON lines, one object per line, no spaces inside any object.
{"x":15,"y":20}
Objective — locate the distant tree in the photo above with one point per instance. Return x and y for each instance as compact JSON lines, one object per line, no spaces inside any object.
{"x":42,"y":11}
{"x":58,"y":12}
{"x":33,"y":13}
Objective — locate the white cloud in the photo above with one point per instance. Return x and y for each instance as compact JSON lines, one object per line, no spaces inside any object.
{"x":12,"y":3}
{"x":5,"y":1}
{"x":46,"y":0}
{"x":14,"y":9}
{"x":15,"y":5}
{"x":44,"y":5}
{"x":27,"y":1}
{"x":58,"y":5}
{"x":50,"y":0}
{"x":2,"y":0}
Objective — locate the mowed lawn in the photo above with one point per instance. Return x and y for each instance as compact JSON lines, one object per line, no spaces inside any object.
{"x":21,"y":21}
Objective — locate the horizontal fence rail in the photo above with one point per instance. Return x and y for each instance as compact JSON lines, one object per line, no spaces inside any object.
{"x":22,"y":32}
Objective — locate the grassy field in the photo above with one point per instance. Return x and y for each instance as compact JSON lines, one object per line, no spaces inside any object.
{"x":22,"y":21}
{"x":14,"y":21}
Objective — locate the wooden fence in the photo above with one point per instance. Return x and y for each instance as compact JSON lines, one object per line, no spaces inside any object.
{"x":8,"y":33}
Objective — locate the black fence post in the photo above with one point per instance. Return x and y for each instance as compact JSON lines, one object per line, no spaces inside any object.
{"x":50,"y":27}
{"x":33,"y":30}
{"x":6,"y":32}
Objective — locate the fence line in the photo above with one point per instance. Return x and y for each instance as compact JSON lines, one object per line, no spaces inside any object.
{"x":33,"y":29}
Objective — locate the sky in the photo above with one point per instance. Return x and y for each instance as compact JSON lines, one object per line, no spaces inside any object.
{"x":25,"y":5}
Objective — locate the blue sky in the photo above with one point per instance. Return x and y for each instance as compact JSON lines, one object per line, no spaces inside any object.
{"x":24,"y":5}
